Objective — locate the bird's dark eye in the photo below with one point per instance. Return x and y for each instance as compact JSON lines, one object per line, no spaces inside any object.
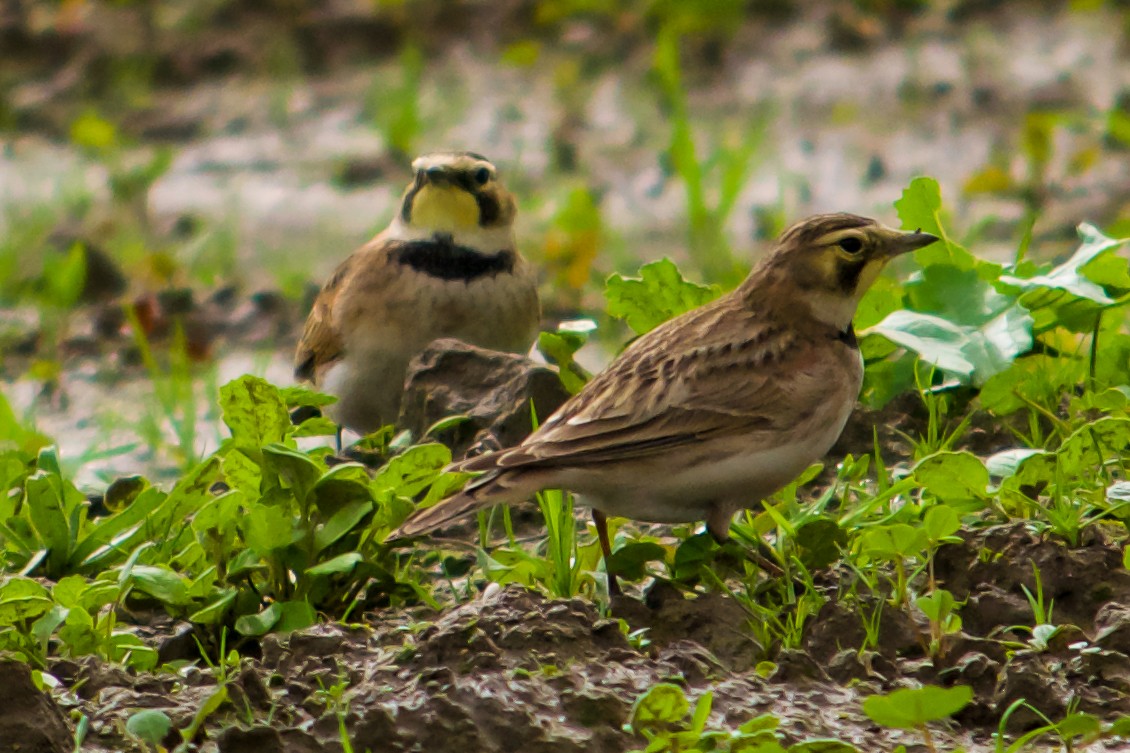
{"x":852,"y":245}
{"x":482,"y":175}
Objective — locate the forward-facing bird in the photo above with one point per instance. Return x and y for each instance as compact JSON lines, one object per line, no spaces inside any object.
{"x":446,"y":266}
{"x":716,"y":409}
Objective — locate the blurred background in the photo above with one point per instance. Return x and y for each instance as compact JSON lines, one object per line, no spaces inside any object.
{"x":209,"y":163}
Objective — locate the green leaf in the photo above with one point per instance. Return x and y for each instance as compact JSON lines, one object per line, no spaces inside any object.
{"x":953,"y":477}
{"x":149,"y":725}
{"x":820,"y":542}
{"x":261,"y":623}
{"x":161,"y":583}
{"x":412,"y":471}
{"x":702,"y":712}
{"x":1008,"y":463}
{"x":1037,"y":378}
{"x":22,"y":599}
{"x":560,"y":347}
{"x":342,"y":522}
{"x":971,"y":353}
{"x":894,"y":542}
{"x":823,"y":746}
{"x":662,"y":705}
{"x":47,"y":510}
{"x":937,"y":605}
{"x":109,"y":536}
{"x":296,"y":471}
{"x":295,"y":615}
{"x":940,"y":522}
{"x":1065,"y":296}
{"x":254,"y":411}
{"x":94,"y":133}
{"x":214,"y":612}
{"x":1079,"y":725}
{"x":342,"y":564}
{"x":630,"y":561}
{"x":920,"y":207}
{"x":64,"y":279}
{"x":658,"y":294}
{"x":911,"y":708}
{"x":269,"y":528}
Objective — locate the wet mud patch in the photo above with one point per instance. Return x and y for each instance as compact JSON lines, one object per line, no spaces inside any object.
{"x":511,"y":670}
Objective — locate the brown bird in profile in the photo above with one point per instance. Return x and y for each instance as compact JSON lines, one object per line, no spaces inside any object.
{"x":447,"y":266}
{"x":714,"y":410}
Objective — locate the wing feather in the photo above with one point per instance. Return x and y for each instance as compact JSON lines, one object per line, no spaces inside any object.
{"x":672,"y":387}
{"x":321,"y":343}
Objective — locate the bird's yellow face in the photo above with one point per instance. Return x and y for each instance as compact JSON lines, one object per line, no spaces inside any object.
{"x":455,"y":192}
{"x":831,"y":260}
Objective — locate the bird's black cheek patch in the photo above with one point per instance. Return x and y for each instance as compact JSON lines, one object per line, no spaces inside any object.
{"x":848,"y":273}
{"x":488,"y":209}
{"x":406,"y":207}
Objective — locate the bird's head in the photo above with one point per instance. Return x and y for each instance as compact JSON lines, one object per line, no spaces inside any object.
{"x":456,"y":193}
{"x":828,"y":262}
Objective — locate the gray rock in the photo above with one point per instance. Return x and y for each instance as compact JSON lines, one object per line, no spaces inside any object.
{"x":492,"y":389}
{"x":30,"y":722}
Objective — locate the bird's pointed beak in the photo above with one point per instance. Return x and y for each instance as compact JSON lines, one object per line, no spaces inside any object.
{"x":900,"y":242}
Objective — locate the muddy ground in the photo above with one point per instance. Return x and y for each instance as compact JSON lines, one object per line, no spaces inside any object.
{"x":513,"y":670}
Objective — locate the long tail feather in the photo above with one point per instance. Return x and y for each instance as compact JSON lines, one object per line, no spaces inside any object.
{"x":493,"y":488}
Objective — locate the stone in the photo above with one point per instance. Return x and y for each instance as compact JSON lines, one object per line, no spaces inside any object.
{"x":492,"y":389}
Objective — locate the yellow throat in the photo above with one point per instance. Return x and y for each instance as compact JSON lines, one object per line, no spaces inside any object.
{"x":444,"y":209}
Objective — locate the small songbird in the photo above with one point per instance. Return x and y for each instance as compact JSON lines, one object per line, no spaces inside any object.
{"x":716,"y":409}
{"x":447,"y":266}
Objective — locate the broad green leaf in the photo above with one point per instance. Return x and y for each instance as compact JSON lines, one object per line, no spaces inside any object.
{"x":1065,"y":296}
{"x":561,"y":346}
{"x":342,"y":522}
{"x":937,"y":605}
{"x":1092,"y":444}
{"x":254,"y":411}
{"x":47,"y":510}
{"x":920,"y":207}
{"x":116,"y":532}
{"x":893,"y":542}
{"x":22,"y":599}
{"x":296,"y":395}
{"x":971,"y":353}
{"x":909,"y":708}
{"x":630,"y":560}
{"x":260,"y":623}
{"x":149,"y":725}
{"x":214,"y":611}
{"x":658,"y":294}
{"x":412,"y":471}
{"x":44,"y":627}
{"x":1038,"y":378}
{"x":342,"y":486}
{"x":662,"y":705}
{"x":339,"y":565}
{"x":295,"y":615}
{"x":953,"y":477}
{"x":1078,"y":725}
{"x":269,"y":528}
{"x":941,"y":522}
{"x":161,"y":583}
{"x":295,"y":470}
{"x":961,"y":296}
{"x":820,"y":542}
{"x":1009,"y":462}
